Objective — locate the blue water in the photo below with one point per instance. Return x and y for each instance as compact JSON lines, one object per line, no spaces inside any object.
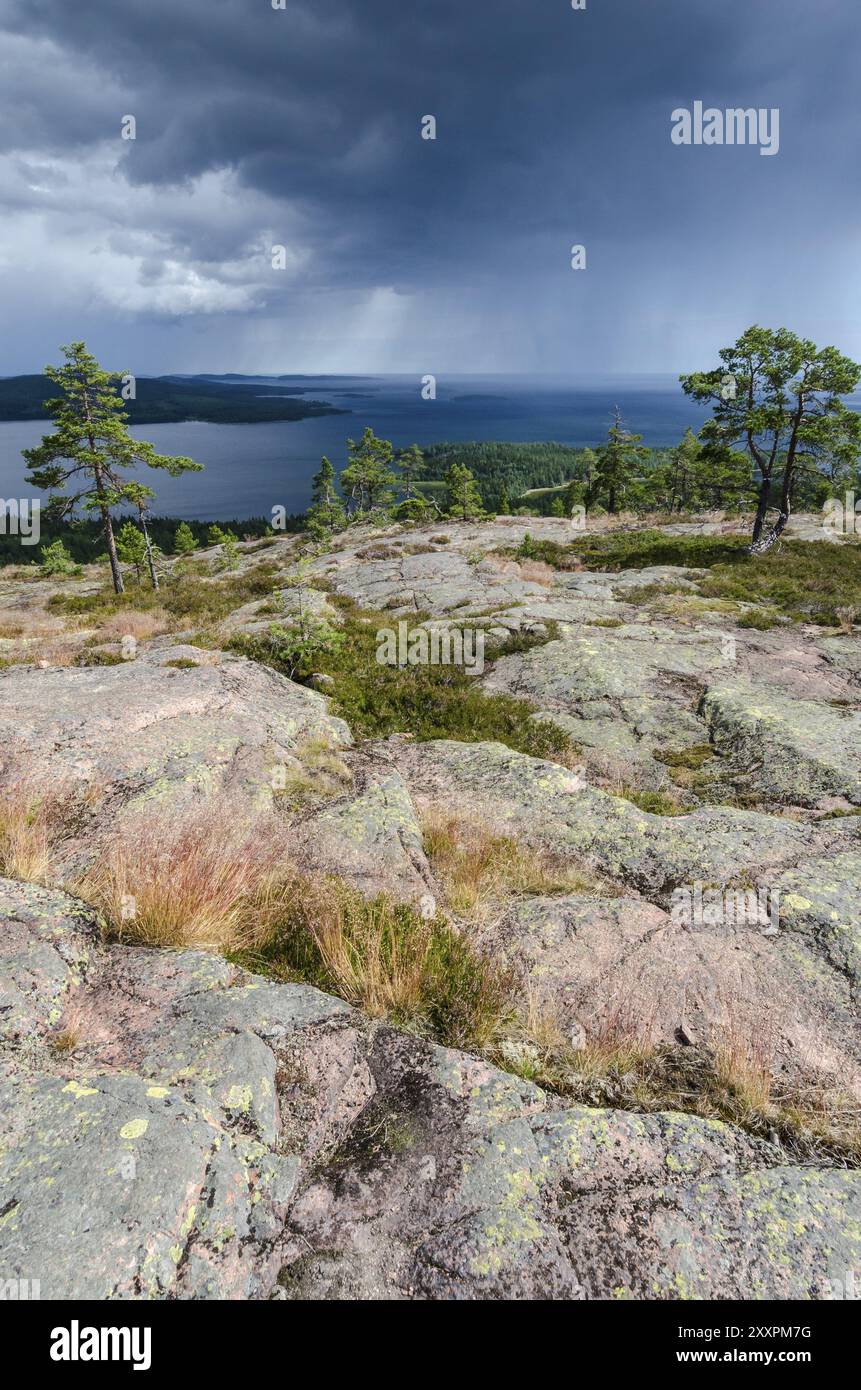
{"x":249,"y":469}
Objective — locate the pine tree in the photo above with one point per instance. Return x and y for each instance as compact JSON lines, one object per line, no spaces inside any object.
{"x":504,"y":502}
{"x":91,"y":444}
{"x":368,"y":479}
{"x":183,"y":541}
{"x":57,"y":560}
{"x":464,"y":498}
{"x":131,"y":547}
{"x":777,"y":397}
{"x":411,"y":462}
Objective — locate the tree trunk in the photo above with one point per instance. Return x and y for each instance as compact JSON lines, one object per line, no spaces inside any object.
{"x":761,"y":510}
{"x":149,"y":559}
{"x":772,"y":535}
{"x":760,"y":544}
{"x":116,"y":573}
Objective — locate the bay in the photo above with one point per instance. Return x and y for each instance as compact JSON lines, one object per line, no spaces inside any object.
{"x":249,"y":469}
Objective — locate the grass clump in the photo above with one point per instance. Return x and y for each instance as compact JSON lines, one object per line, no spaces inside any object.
{"x":617,"y":550}
{"x":197,"y":878}
{"x":321,"y":774}
{"x":184,"y":595}
{"x":758,"y":619}
{"x":731,"y":1078}
{"x":807,"y":581}
{"x":206,"y":879}
{"x":477,"y":867}
{"x":686,"y":766}
{"x":388,"y":960}
{"x":30,"y":827}
{"x":642,"y":594}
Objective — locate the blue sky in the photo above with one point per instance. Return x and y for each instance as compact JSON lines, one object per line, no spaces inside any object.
{"x":301,"y":127}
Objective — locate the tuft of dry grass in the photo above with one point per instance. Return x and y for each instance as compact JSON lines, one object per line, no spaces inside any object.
{"x":744,"y":1051}
{"x":29,"y":830}
{"x":192,"y":879}
{"x":536,"y":571}
{"x":477,"y":868}
{"x":731,"y":1079}
{"x":134,"y":622}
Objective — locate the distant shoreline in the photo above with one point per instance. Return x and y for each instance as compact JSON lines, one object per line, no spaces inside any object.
{"x":174,"y":401}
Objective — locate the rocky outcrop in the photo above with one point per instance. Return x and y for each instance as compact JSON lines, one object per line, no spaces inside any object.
{"x":149,"y":734}
{"x":800,"y":750}
{"x":175,"y":1127}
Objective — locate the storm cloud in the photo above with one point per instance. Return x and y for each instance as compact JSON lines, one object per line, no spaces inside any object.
{"x":301,"y":127}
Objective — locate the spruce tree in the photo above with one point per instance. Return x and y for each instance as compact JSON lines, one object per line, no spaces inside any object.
{"x":326,"y":512}
{"x":618,"y":462}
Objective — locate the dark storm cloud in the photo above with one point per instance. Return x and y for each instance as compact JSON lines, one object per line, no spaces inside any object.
{"x":553,"y":128}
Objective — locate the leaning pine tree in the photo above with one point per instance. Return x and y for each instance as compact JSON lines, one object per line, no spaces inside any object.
{"x":777,"y":397}
{"x":91,"y":448}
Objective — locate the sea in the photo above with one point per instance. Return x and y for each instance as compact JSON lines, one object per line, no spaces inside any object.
{"x":249,"y":469}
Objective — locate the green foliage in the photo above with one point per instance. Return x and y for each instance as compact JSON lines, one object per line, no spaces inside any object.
{"x":368,"y":480}
{"x":807,"y":581}
{"x":695,"y":478}
{"x":296,"y":650}
{"x":84,"y":538}
{"x":184,"y":541}
{"x":412,"y":509}
{"x":92,"y":448}
{"x":57,"y":560}
{"x":503,"y":471}
{"x":427,"y":701}
{"x":777,"y":397}
{"x":464,"y":498}
{"x":186,"y":597}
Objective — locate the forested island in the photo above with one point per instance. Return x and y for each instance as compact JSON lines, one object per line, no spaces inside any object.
{"x":167,"y":400}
